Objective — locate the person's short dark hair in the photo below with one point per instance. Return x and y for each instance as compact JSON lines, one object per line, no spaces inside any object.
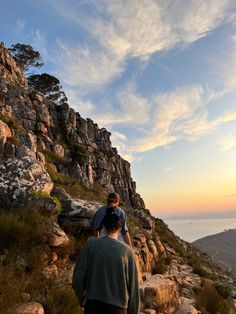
{"x":112,"y":222}
{"x":113,"y":197}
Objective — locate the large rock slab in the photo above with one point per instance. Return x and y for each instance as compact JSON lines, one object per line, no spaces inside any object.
{"x":186,"y":309}
{"x":160,"y":293}
{"x":5,"y":132}
{"x":9,"y":71}
{"x":76,"y":213}
{"x":19,"y":177}
{"x":29,"y":308}
{"x":58,"y":237}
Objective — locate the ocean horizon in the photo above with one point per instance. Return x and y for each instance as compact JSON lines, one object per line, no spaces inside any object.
{"x":191,"y":229}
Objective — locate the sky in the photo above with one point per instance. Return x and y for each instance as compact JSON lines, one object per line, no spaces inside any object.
{"x":160,"y":75}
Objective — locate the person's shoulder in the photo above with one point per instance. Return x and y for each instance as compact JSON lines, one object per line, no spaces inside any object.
{"x":101,"y":208}
{"x":90,"y":242}
{"x":124,"y":247}
{"x":120,"y":210}
{"x":128,"y":250}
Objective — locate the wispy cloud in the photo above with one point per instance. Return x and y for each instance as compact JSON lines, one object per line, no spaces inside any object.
{"x":119,"y":140}
{"x":168,"y":117}
{"x":85,"y":107}
{"x":141,"y":28}
{"x":20,"y":25}
{"x":130,"y":29}
{"x":120,"y":30}
{"x":86,"y":68}
{"x":169,"y":169}
{"x":39,"y":42}
{"x":135,"y":108}
{"x":131,"y":108}
{"x":227,"y":142}
{"x":177,"y":114}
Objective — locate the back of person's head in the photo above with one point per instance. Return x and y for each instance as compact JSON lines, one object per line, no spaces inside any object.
{"x":113,"y":198}
{"x":112,"y":222}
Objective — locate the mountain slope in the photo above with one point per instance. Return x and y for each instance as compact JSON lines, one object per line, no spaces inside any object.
{"x":221,"y":247}
{"x":52,"y":161}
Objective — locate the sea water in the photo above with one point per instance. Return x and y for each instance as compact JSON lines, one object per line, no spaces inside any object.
{"x":193,"y":229}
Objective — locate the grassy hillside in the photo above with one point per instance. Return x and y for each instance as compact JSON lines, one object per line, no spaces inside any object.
{"x":221,"y":247}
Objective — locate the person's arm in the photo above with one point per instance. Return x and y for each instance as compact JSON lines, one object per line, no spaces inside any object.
{"x":127,"y":239}
{"x":80,"y":275}
{"x":124,"y":229}
{"x":96,"y":223}
{"x":133,"y":286}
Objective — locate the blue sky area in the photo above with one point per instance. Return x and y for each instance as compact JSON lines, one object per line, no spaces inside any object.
{"x":159,"y":75}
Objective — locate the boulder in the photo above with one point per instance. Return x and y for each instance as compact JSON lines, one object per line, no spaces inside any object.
{"x":150,"y":311}
{"x":19,"y":177}
{"x":59,"y":150}
{"x":147,"y":221}
{"x":59,"y":237}
{"x":29,"y":308}
{"x":160,"y":293}
{"x":76,"y":213}
{"x":186,"y":309}
{"x":9,"y":71}
{"x":5,"y":132}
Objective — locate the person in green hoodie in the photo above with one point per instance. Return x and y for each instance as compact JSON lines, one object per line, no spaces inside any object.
{"x":105,"y":277}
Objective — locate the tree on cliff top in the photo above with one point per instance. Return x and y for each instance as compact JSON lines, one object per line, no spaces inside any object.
{"x":48,"y":85}
{"x":25,"y":56}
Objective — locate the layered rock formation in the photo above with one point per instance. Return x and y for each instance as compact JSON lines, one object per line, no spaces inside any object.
{"x":58,"y":128}
{"x":37,"y":135}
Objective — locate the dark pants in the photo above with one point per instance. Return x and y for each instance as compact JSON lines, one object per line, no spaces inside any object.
{"x":98,"y":307}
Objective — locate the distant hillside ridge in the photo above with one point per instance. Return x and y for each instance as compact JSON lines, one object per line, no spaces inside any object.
{"x":221,"y":247}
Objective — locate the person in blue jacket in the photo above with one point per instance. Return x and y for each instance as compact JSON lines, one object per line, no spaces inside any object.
{"x":113,"y":200}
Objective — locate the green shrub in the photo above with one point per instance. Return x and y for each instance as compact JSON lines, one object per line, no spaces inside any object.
{"x":11,"y":287}
{"x":169,"y":237}
{"x":54,"y":158}
{"x":12,"y":230}
{"x":35,"y":257}
{"x":202,"y":267}
{"x":159,"y":267}
{"x":134,"y":225}
{"x":209,"y":301}
{"x":63,"y":301}
{"x":54,"y":299}
{"x":41,"y":194}
{"x":12,"y":122}
{"x":76,"y":241}
{"x":23,"y":226}
{"x":224,"y":289}
{"x":79,"y":153}
{"x":73,"y":187}
{"x":24,"y":249}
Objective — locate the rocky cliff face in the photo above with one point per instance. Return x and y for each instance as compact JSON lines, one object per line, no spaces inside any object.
{"x":42,"y":142}
{"x":58,"y":128}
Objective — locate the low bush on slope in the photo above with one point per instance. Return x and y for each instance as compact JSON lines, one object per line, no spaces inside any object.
{"x":24,"y":252}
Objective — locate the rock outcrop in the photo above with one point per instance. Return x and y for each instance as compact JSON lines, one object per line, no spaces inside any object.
{"x":59,"y":129}
{"x":42,"y":142}
{"x":27,"y":176}
{"x":29,"y":308}
{"x":8,"y":69}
